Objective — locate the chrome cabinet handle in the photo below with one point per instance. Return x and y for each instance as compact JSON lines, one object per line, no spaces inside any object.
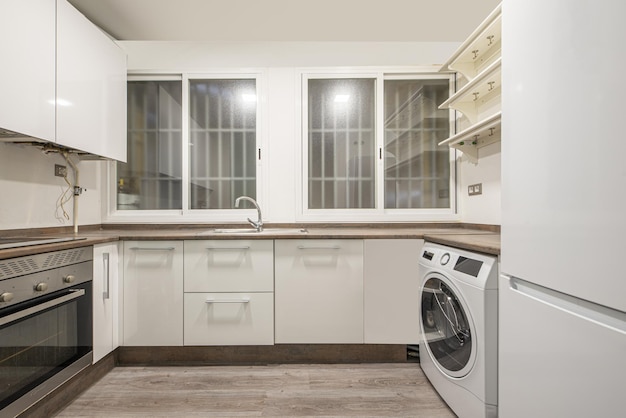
{"x":242,"y":300}
{"x":106,"y":274}
{"x":152,"y":249}
{"x":228,"y":248}
{"x":334,"y":247}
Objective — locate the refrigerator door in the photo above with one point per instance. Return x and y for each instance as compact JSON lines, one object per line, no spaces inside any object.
{"x":558,"y":356}
{"x":563,"y":146}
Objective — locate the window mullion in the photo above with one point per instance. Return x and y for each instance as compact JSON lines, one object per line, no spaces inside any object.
{"x":380,"y":152}
{"x":185,"y":144}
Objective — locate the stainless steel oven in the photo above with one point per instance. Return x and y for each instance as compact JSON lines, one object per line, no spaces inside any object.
{"x":45,"y":324}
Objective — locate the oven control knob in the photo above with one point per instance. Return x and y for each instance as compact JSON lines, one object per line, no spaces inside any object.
{"x":6,"y":297}
{"x":69,"y":278}
{"x":41,"y":287}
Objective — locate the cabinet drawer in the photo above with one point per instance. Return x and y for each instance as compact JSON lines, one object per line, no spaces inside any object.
{"x":229,"y":319}
{"x":229,"y":266}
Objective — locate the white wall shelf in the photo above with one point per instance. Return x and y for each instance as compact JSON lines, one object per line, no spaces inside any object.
{"x":481,"y":90}
{"x":479,"y":60}
{"x":480,"y":49}
{"x":481,"y":134}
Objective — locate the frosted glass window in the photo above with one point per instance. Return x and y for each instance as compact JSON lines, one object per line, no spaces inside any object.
{"x":417,"y":170}
{"x":341,"y":143}
{"x":222,"y":142}
{"x":151,"y":179}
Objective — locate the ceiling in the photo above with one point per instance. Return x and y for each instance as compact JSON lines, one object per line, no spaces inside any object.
{"x":287,"y":20}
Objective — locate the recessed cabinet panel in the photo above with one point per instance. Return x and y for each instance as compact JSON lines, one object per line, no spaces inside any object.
{"x":319,"y":291}
{"x":91,"y":87}
{"x":229,"y":266}
{"x":153,"y":293}
{"x":391,"y":287}
{"x":229,"y":318}
{"x":27,"y":71}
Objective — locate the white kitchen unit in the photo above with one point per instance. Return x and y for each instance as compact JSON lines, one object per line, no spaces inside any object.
{"x":229,"y":292}
{"x":27,"y":73}
{"x":153,"y":293}
{"x":229,"y":266}
{"x":105,"y":299}
{"x":478,"y":64}
{"x":241,"y":318}
{"x":91,"y":87}
{"x":63,"y":80}
{"x":563,"y":310}
{"x":319,"y":291}
{"x":391,"y":291}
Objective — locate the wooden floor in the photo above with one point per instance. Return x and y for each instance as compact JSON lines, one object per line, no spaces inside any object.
{"x":335,"y":390}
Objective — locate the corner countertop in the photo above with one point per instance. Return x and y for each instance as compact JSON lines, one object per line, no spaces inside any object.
{"x":470,"y":237}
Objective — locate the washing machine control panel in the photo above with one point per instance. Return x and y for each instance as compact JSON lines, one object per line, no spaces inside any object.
{"x":445,"y":258}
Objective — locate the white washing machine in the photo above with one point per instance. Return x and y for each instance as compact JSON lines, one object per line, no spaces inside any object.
{"x":459,"y":328}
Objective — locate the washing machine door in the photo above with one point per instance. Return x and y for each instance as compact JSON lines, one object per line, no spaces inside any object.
{"x":447,"y":327}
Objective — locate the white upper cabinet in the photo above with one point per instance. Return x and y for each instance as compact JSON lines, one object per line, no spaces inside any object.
{"x":27,"y":70}
{"x":91,"y":87}
{"x":62,"y":79}
{"x":478,"y":62}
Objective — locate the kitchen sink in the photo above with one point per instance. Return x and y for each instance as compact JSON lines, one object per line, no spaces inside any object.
{"x":254,"y":231}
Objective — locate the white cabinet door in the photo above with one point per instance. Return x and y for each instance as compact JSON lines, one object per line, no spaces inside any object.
{"x":153,"y":293}
{"x":91,"y":87}
{"x":391,"y":291}
{"x":229,"y":318}
{"x":27,"y":51}
{"x":319,"y":291}
{"x":229,"y":266}
{"x":105,"y":300}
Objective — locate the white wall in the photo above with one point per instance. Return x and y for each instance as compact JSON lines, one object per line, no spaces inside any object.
{"x":29,"y":190}
{"x":485,"y":208}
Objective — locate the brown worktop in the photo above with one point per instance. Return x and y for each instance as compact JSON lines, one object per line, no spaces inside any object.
{"x":481,"y":238}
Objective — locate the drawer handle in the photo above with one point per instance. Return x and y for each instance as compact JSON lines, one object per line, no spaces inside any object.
{"x":152,"y":249}
{"x":242,"y":300}
{"x":334,"y":247}
{"x":228,"y":248}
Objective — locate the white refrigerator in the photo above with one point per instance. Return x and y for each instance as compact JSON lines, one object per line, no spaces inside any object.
{"x":562,"y":291}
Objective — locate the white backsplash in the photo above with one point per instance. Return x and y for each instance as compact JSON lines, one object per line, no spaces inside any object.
{"x":29,"y":190}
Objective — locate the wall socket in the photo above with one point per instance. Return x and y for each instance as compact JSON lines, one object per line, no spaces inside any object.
{"x":475,"y":189}
{"x":60,"y":170}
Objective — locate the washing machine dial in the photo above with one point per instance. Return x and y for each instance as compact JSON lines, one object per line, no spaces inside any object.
{"x":445,"y":258}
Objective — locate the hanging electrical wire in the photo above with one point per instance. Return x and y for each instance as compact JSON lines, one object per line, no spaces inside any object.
{"x":60,"y":213}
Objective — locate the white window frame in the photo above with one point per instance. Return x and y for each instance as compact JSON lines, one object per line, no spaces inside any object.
{"x":379,"y":213}
{"x":187,"y":215}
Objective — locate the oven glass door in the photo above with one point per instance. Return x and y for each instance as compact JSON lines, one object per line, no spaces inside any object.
{"x":41,"y":337}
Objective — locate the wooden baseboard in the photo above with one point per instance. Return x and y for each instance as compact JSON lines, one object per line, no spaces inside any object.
{"x":263,"y":354}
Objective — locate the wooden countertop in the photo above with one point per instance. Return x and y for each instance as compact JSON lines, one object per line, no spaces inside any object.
{"x":474,"y":239}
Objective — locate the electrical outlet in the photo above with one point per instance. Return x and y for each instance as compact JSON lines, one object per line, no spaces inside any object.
{"x":475,"y":189}
{"x":60,"y":170}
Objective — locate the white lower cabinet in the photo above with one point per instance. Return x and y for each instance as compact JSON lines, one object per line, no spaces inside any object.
{"x":229,"y":292}
{"x":319,"y":291}
{"x":391,"y":286}
{"x":229,"y":318}
{"x":105,"y":300}
{"x":153,"y":293}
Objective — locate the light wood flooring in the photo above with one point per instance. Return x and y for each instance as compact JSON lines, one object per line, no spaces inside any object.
{"x":311,"y":390}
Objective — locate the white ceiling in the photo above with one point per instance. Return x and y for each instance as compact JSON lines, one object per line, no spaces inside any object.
{"x":287,"y":20}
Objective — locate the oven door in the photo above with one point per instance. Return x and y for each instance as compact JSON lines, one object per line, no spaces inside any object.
{"x":43,"y":342}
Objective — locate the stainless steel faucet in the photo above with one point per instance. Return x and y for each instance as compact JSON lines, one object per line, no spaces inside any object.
{"x":259,"y":223}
